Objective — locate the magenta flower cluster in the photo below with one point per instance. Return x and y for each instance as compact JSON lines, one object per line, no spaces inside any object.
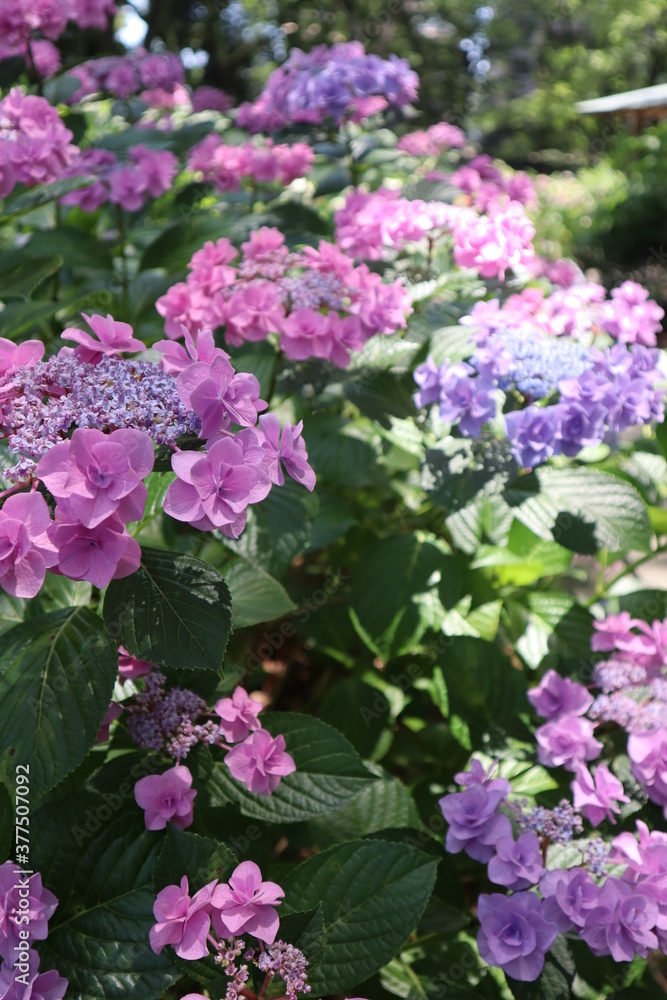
{"x":485,"y":185}
{"x":621,"y":915}
{"x":28,"y":25}
{"x":125,"y":75}
{"x":329,"y":84}
{"x":318,"y":302}
{"x":432,"y":141}
{"x":228,"y":166}
{"x":491,"y":244}
{"x":25,"y":910}
{"x":147,"y":173}
{"x":35,"y":146}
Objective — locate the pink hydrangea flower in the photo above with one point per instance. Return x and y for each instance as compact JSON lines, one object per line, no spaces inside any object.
{"x":566,"y":741}
{"x":182,"y":922}
{"x":94,"y":475}
{"x":648,"y":753}
{"x":247,"y":905}
{"x":130,"y":668}
{"x":219,"y":395}
{"x":99,"y":555}
{"x":597,"y":796}
{"x":238,"y":715}
{"x":200,"y":347}
{"x":253,"y":312}
{"x":260,"y":762}
{"x":15,"y":984}
{"x":555,"y":696}
{"x":111,"y":337}
{"x":14,"y":356}
{"x":113,"y":712}
{"x":166,"y":798}
{"x":214,"y":489}
{"x":288,"y":449}
{"x":26,"y":548}
{"x":41,"y":907}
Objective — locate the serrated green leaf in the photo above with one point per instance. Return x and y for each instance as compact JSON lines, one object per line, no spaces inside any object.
{"x":27,"y":201}
{"x":57,"y":674}
{"x":20,"y":282}
{"x":200,"y":858}
{"x":385,"y":804}
{"x":372,"y":894}
{"x":328,"y":773}
{"x":80,"y":251}
{"x":175,"y":611}
{"x":278,"y":529}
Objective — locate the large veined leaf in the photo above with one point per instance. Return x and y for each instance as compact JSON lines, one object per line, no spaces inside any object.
{"x":400,"y":588}
{"x":27,"y":201}
{"x":329,"y":773}
{"x":57,"y":675}
{"x":199,"y":858}
{"x":175,"y":610}
{"x":278,"y":529}
{"x":20,"y":281}
{"x":101,"y":870}
{"x":372,"y":894}
{"x":582,"y":509}
{"x":383,"y":805}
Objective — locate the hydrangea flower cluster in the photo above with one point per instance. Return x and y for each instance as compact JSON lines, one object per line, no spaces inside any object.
{"x":119,"y":408}
{"x":125,"y":75}
{"x":207,"y":98}
{"x":599,"y":392}
{"x":371,"y":223}
{"x":317,"y":300}
{"x":167,"y":721}
{"x":329,"y":83}
{"x":35,"y":146}
{"x":579,"y":310}
{"x":485,"y":185}
{"x":632,"y":694}
{"x":244,"y":905}
{"x":621,"y":915}
{"x":227,"y":166}
{"x":432,"y":141}
{"x":147,"y":173}
{"x":25,"y":910}
{"x":25,"y":25}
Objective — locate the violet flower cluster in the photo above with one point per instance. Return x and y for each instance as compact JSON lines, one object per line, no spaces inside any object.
{"x":28,"y":27}
{"x":35,"y":146}
{"x":598,"y":392}
{"x":491,"y":244}
{"x":631,"y":686}
{"x":117,"y":409}
{"x":25,"y":910}
{"x":147,"y":173}
{"x":125,"y":75}
{"x":620,"y":915}
{"x":329,"y":84}
{"x":227,"y":166}
{"x":317,"y":300}
{"x":244,"y":905}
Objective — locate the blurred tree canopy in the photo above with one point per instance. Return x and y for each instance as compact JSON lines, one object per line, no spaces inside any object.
{"x":509,"y":71}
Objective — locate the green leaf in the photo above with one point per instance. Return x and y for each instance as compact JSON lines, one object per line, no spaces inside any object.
{"x":200,"y":858}
{"x":582,"y":509}
{"x":278,"y":529}
{"x":98,"y":936}
{"x":57,"y":674}
{"x":19,"y":318}
{"x":555,"y":980}
{"x":339,"y":451}
{"x":372,"y":895}
{"x":175,"y":611}
{"x":328,"y":773}
{"x":256,"y":596}
{"x":400,"y":588}
{"x":175,"y":245}
{"x":385,"y":804}
{"x":80,"y":251}
{"x":20,"y":282}
{"x":334,"y":181}
{"x":41,"y":195}
{"x":458,"y":470}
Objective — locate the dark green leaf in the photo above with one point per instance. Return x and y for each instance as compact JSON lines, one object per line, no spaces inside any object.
{"x":256,"y":596}
{"x":200,"y":858}
{"x":57,"y":675}
{"x":20,"y":282}
{"x":19,"y":204}
{"x":278,"y":529}
{"x":175,"y":610}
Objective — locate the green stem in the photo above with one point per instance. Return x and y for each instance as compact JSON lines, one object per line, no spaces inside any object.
{"x":124,"y":280}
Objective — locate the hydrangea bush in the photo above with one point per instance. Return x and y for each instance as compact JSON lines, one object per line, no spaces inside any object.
{"x":328,"y":663}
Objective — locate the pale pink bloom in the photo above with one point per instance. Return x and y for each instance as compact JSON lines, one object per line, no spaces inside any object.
{"x":648,"y":753}
{"x":648,"y":856}
{"x":99,"y":555}
{"x":305,"y":334}
{"x":26,"y":549}
{"x":253,"y":312}
{"x":113,"y":712}
{"x":597,"y":796}
{"x":166,"y":798}
{"x":566,"y":741}
{"x":247,"y":905}
{"x":95,"y":475}
{"x":260,"y":762}
{"x":13,"y":356}
{"x":182,"y":922}
{"x":176,"y":358}
{"x":238,"y":715}
{"x":111,"y":337}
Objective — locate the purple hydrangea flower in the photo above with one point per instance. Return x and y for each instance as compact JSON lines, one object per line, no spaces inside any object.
{"x":566,"y":741}
{"x":515,"y":934}
{"x":475,"y":826}
{"x":556,"y":696}
{"x":569,"y":896}
{"x":517,"y":864}
{"x":532,"y":433}
{"x":622,"y":923}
